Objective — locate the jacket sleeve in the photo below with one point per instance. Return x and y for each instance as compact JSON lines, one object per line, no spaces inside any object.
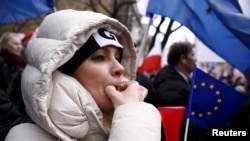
{"x":136,"y":122}
{"x":29,"y":132}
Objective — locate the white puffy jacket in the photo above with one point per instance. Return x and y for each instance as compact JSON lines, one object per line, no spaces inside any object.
{"x":60,"y":106}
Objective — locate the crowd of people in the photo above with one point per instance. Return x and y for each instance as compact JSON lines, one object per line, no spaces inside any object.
{"x":79,"y":81}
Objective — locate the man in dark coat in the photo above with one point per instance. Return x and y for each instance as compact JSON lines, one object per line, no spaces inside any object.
{"x":172,"y":83}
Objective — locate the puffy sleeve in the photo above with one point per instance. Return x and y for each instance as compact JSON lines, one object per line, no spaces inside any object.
{"x":29,"y":132}
{"x":136,"y":122}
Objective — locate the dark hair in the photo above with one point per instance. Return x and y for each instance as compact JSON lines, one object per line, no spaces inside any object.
{"x":176,"y":50}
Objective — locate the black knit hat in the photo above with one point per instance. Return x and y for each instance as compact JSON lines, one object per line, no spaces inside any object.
{"x":97,"y":40}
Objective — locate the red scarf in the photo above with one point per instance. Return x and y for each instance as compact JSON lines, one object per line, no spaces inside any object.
{"x":18,"y":62}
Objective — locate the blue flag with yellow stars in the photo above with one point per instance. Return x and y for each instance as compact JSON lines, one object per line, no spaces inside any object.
{"x":211,"y":102}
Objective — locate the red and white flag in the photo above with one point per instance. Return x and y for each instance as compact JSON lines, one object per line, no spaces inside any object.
{"x":153,"y":60}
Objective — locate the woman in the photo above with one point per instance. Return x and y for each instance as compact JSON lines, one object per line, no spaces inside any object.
{"x":79,"y":83}
{"x":12,"y":60}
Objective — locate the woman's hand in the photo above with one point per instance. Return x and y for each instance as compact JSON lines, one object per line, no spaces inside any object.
{"x":127,"y":92}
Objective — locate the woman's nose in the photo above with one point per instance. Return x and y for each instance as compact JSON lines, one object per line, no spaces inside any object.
{"x":118,"y":69}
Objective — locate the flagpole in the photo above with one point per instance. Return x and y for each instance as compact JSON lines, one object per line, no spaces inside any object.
{"x":143,"y":44}
{"x":190,"y":103}
{"x":186,"y":130}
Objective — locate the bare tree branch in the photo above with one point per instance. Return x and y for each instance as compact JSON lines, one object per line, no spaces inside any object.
{"x":168,"y":32}
{"x":104,"y":7}
{"x":120,"y":6}
{"x":156,"y":32}
{"x":92,"y":5}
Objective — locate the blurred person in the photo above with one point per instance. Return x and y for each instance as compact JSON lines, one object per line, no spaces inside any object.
{"x":172,"y":83}
{"x":241,"y":84}
{"x":212,"y":72}
{"x":79,"y":83}
{"x":12,"y":60}
{"x":145,"y":81}
{"x":151,"y":75}
{"x":10,"y":116}
{"x":224,"y":79}
{"x":12,"y":63}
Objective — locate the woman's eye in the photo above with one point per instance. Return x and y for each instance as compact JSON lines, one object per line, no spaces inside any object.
{"x":98,"y":58}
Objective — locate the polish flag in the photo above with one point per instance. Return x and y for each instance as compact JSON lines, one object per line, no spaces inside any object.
{"x":153,"y":60}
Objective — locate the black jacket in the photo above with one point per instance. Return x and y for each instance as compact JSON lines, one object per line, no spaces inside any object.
{"x":11,"y":68}
{"x":171,"y":88}
{"x":10,"y":116}
{"x":144,"y":81}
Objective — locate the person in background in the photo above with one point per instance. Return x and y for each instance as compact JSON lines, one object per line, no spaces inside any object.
{"x":241,"y":84}
{"x":12,"y":60}
{"x":10,"y":116}
{"x":224,"y":79}
{"x":12,"y":63}
{"x":172,"y":83}
{"x":79,"y":84}
{"x":212,"y":72}
{"x":145,"y":81}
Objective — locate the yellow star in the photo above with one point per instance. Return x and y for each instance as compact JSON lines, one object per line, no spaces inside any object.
{"x":217,"y":92}
{"x":195,"y":86}
{"x":192,"y":113}
{"x":209,"y":113}
{"x":203,"y":84}
{"x":219,"y":100}
{"x":216,"y":108}
{"x":200,"y":115}
{"x":211,"y":86}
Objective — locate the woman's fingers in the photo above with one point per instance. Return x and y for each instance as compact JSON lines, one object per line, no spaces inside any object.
{"x":126,"y":92}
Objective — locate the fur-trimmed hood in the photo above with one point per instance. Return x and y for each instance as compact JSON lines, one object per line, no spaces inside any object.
{"x":55,"y":41}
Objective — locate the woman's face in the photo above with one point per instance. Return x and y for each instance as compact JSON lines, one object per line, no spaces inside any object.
{"x":13,"y":45}
{"x":99,"y":70}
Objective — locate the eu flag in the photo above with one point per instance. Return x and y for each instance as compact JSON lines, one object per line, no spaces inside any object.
{"x":199,"y":17}
{"x":211,"y":102}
